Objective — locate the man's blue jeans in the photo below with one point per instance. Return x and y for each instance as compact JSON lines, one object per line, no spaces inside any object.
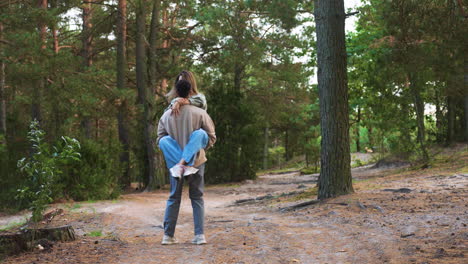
{"x":173,"y":153}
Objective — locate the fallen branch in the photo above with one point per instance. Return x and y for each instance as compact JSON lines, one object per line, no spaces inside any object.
{"x":299,"y":205}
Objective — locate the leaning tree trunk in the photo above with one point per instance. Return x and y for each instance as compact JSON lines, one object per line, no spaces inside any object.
{"x":335,"y":170}
{"x":121,"y":70}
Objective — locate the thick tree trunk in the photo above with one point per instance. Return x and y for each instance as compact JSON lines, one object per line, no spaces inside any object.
{"x":3,"y":113}
{"x":265,"y":146}
{"x":419,"y":109}
{"x":121,"y":70}
{"x":335,"y":172}
{"x":156,"y":170}
{"x":141,"y":80}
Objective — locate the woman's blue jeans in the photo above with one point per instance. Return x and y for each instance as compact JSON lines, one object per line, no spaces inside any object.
{"x":173,"y":153}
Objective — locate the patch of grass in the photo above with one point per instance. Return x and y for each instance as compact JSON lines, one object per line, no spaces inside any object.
{"x":308,"y":194}
{"x":309,"y":170}
{"x":12,"y":225}
{"x":95,"y":233}
{"x":229,"y":185}
{"x":274,"y":171}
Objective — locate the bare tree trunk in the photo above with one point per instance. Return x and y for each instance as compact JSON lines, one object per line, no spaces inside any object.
{"x":358,"y":135}
{"x":335,"y":172}
{"x":3,"y":113}
{"x":439,"y":117}
{"x":87,"y":53}
{"x":141,"y":81}
{"x":419,"y":109}
{"x":39,"y":85}
{"x":121,"y":70}
{"x":265,"y":147}
{"x":465,"y":89}
{"x":450,"y":119}
{"x":157,"y":169}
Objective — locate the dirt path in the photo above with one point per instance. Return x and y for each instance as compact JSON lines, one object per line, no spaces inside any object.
{"x":424,"y":223}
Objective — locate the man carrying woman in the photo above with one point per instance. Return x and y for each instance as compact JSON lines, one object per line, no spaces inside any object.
{"x":185,"y":131}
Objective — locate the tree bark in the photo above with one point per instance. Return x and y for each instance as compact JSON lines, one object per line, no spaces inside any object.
{"x":439,"y":117}
{"x":39,"y":85}
{"x":141,"y":80}
{"x":265,"y":146}
{"x":450,"y":119}
{"x":156,"y":168}
{"x":87,"y":54}
{"x":465,"y":85}
{"x":358,"y":135}
{"x":3,"y":113}
{"x":121,"y":66}
{"x":419,"y":109}
{"x":335,"y":172}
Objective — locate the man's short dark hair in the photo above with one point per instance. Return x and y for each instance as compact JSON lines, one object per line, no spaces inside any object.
{"x":183,"y":88}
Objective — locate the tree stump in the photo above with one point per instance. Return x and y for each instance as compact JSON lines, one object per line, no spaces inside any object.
{"x":14,"y":243}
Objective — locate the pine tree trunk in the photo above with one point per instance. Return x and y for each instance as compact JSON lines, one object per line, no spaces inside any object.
{"x":265,"y":146}
{"x":419,"y":109}
{"x":465,"y":89}
{"x":3,"y":113}
{"x":358,"y":135}
{"x":87,"y":53}
{"x":157,"y":170}
{"x":141,"y":79}
{"x":39,"y":85}
{"x":121,"y":70}
{"x":450,"y":120}
{"x":335,"y":172}
{"x":439,"y":118}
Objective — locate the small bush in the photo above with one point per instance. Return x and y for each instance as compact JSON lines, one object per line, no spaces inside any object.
{"x":42,"y":168}
{"x":97,"y":176}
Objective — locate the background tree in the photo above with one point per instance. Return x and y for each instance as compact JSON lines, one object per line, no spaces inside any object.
{"x":335,"y":168}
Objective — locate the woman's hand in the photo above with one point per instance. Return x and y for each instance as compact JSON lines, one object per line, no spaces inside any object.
{"x":178,"y":103}
{"x":175,"y":108}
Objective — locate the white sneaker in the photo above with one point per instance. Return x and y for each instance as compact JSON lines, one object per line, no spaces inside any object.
{"x":167,"y":240}
{"x":189,"y":170}
{"x":177,"y":171}
{"x":199,"y":239}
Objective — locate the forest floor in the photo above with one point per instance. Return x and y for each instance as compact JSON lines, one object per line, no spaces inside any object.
{"x":401,"y":214}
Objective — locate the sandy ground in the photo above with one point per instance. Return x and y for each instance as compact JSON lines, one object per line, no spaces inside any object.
{"x":379,"y":223}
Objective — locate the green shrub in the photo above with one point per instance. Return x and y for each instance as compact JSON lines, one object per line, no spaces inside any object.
{"x":42,"y":168}
{"x":96,"y":178}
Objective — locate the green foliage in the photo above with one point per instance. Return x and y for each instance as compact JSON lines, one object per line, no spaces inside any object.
{"x":97,"y":175}
{"x":43,"y":168}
